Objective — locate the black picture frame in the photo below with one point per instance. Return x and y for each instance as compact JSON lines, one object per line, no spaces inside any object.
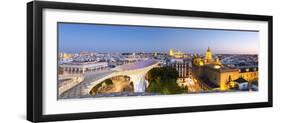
{"x":35,"y":69}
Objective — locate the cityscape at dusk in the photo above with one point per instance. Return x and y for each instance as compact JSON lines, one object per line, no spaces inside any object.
{"x":101,"y":60}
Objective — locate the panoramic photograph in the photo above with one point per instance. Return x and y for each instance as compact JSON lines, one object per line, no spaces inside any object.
{"x":104,"y":60}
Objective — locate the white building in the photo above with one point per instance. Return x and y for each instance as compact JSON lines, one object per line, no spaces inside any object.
{"x":82,"y":67}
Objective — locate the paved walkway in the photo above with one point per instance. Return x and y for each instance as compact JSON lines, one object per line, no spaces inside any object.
{"x":76,"y":91}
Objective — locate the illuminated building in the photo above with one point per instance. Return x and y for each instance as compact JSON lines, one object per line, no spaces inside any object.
{"x":249,"y":73}
{"x":208,"y":59}
{"x":65,"y":55}
{"x":177,"y":54}
{"x":208,"y":56}
{"x":215,"y":75}
{"x":219,"y":75}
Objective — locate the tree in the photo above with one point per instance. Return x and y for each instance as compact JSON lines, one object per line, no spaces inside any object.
{"x":95,"y":89}
{"x":163,"y":80}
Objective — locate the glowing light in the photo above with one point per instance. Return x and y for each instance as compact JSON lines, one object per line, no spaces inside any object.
{"x":217,"y":67}
{"x":223,"y":88}
{"x":201,"y":63}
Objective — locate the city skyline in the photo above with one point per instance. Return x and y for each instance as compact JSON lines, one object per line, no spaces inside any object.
{"x":116,"y":38}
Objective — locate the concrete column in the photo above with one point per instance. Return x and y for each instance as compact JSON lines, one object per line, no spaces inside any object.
{"x":83,"y":70}
{"x":139,"y":82}
{"x":73,"y":70}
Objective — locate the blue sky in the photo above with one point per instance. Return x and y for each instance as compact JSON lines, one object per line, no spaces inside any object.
{"x":120,"y":38}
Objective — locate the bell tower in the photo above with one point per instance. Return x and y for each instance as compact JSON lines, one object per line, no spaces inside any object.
{"x":208,"y":56}
{"x":171,"y":52}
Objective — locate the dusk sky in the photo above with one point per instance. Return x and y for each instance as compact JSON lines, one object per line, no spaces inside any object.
{"x":116,"y":38}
